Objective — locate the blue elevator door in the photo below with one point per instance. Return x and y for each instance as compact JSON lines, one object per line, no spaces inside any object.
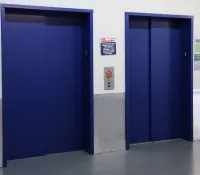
{"x":139,"y":118}
{"x":63,"y":84}
{"x":42,"y":85}
{"x":23,"y":86}
{"x":165,"y":79}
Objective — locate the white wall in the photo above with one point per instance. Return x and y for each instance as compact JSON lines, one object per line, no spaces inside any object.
{"x":109,"y":22}
{"x":196,"y":114}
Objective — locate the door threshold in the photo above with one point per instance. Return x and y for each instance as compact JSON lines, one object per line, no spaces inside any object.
{"x":154,"y":142}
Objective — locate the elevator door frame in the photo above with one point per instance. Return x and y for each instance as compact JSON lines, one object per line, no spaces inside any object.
{"x":54,"y":9}
{"x":127,"y":69}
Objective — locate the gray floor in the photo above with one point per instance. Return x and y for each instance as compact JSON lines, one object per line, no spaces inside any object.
{"x":161,"y":158}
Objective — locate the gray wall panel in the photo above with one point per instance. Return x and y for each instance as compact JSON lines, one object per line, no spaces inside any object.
{"x":109,"y":122}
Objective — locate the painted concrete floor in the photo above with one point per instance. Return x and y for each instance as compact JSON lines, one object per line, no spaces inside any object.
{"x":161,"y":158}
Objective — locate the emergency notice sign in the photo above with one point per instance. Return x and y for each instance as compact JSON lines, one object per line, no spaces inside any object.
{"x":108,"y":46}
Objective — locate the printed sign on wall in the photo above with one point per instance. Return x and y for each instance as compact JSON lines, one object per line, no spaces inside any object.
{"x":108,"y":46}
{"x":109,"y":78}
{"x":197,"y":54}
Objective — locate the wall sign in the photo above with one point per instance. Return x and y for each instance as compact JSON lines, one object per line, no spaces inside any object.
{"x":109,"y":78}
{"x":197,"y":54}
{"x":108,"y":46}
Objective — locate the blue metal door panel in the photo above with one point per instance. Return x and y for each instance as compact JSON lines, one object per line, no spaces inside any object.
{"x":138,"y":105}
{"x":42,"y":88}
{"x":63,"y":75}
{"x":165,"y":79}
{"x":23,"y":86}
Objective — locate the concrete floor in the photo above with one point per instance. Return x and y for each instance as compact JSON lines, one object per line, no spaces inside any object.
{"x":161,"y":158}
